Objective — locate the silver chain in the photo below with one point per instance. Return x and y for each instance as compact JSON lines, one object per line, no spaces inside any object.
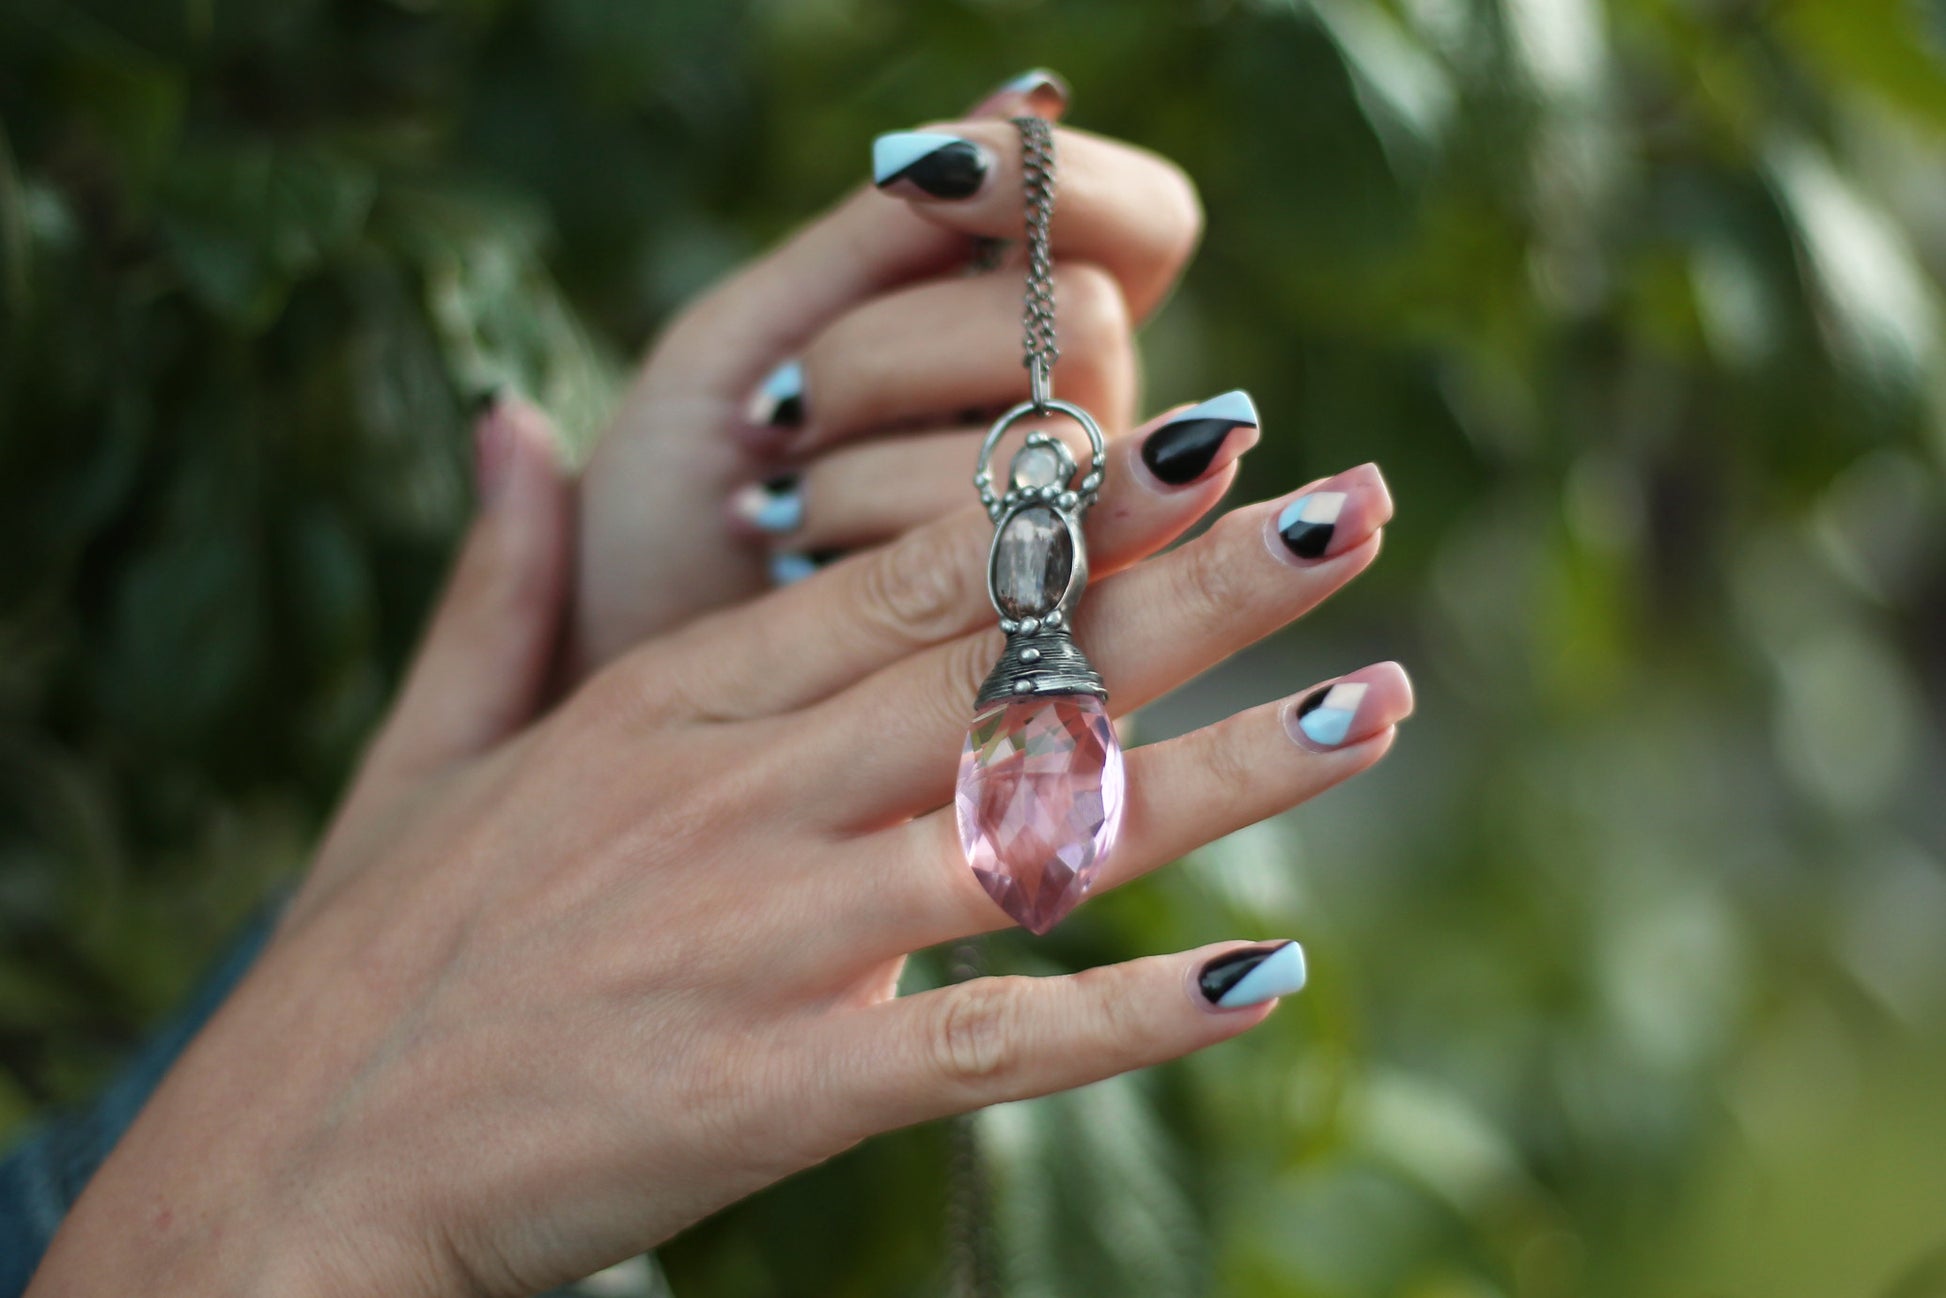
{"x":969,"y":1212}
{"x":969,"y":1208}
{"x":1037,"y":314}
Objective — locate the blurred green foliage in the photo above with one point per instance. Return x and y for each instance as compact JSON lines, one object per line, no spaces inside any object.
{"x":1630,"y":962}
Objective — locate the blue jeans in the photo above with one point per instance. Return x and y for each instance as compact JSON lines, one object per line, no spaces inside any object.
{"x":45,"y":1172}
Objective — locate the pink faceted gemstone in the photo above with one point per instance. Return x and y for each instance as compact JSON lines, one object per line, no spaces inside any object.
{"x":1040,"y":802}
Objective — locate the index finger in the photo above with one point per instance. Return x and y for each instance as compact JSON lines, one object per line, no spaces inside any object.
{"x":1124,"y":209}
{"x":1128,"y":210}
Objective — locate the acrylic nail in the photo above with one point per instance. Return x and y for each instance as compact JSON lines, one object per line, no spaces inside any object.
{"x":1308,"y":523}
{"x":774,"y":506}
{"x":1188,"y":447}
{"x":789,"y":567}
{"x":1332,"y":516}
{"x":1350,"y":709}
{"x":929,"y":164}
{"x":778,"y":401}
{"x":1041,"y":91}
{"x":1252,"y":975}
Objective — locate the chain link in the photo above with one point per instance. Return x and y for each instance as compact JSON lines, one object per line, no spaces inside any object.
{"x":1037,"y":315}
{"x":969,"y":1211}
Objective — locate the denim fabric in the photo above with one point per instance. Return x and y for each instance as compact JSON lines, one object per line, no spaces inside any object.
{"x":43,"y":1175}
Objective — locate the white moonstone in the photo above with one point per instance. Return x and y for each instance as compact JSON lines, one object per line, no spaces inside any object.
{"x":1036,"y":467}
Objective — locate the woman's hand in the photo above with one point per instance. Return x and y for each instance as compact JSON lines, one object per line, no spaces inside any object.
{"x":766,"y":410}
{"x":557,"y":988}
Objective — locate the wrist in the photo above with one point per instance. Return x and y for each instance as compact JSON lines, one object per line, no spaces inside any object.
{"x":191,"y":1231}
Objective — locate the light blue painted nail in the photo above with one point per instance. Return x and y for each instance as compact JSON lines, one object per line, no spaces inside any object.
{"x":1034,"y":79}
{"x":779,"y":399}
{"x":1326,"y":716}
{"x":1327,"y":726}
{"x":1313,"y":508}
{"x":1234,"y":406}
{"x":790,"y":567}
{"x":782,"y":512}
{"x":776,"y":506}
{"x":1280,"y":974}
{"x":895,"y":151}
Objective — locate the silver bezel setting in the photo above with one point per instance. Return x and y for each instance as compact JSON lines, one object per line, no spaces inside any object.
{"x":1041,"y":656}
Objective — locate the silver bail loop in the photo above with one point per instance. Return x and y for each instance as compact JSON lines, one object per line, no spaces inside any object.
{"x":1040,"y":384}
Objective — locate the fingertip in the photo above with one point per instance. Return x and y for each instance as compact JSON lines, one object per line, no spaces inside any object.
{"x":1242,"y":976}
{"x":1042,"y":92}
{"x":1350,"y":709}
{"x":1192,"y":442}
{"x":1330,"y":518}
{"x":1378,"y":488}
{"x":488,"y":647}
{"x":1395,"y":679}
{"x":512,"y":439}
{"x":929,"y":165}
{"x":493,"y":452}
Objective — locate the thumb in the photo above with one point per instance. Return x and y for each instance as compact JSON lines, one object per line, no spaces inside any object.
{"x":488,"y":653}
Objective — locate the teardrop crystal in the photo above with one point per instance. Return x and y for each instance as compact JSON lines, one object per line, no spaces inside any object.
{"x":1040,"y":803}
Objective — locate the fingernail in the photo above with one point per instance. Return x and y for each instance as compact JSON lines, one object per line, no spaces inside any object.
{"x":778,"y":401}
{"x":1334,"y":516}
{"x":1252,"y":975}
{"x":1308,"y":523}
{"x":493,"y":450}
{"x":1350,"y":709}
{"x":775,"y":505}
{"x":1188,"y":447}
{"x":1041,"y":91}
{"x":792,"y":566}
{"x":928,"y":164}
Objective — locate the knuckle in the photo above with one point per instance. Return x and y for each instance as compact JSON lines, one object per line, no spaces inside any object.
{"x":635,"y":690}
{"x":613,"y":694}
{"x":916,"y":588}
{"x":1226,"y":770}
{"x":968,"y":661}
{"x":1211,"y":586}
{"x":1117,"y":1023}
{"x":1178,"y":208}
{"x":1094,"y":314}
{"x":976,"y":1036}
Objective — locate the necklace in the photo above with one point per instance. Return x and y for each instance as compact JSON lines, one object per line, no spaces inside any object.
{"x":1041,"y":775}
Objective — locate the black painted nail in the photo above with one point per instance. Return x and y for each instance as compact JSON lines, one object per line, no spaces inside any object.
{"x":932,"y":163}
{"x":1183,"y":449}
{"x":778,"y":401}
{"x":1308,"y":523}
{"x":1252,"y":975}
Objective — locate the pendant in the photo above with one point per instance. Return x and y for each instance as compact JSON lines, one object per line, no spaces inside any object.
{"x":1041,"y":777}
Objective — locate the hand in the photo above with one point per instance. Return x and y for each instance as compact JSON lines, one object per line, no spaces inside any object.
{"x":558,"y":987}
{"x":896,"y":353}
